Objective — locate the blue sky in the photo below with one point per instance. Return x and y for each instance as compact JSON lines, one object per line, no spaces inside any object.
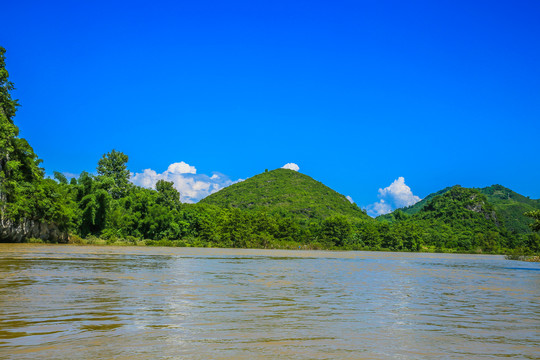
{"x":359,"y":94}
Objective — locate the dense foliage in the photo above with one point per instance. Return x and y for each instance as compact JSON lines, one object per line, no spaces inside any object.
{"x":284,"y":191}
{"x":413,"y":209}
{"x":459,"y":220}
{"x":535,"y":215}
{"x":24,"y":193}
{"x":509,"y":205}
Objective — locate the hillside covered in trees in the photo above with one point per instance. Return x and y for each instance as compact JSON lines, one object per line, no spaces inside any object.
{"x":275,"y":209}
{"x":510,"y":206}
{"x":284,"y":191}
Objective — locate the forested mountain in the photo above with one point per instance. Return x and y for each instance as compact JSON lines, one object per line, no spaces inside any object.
{"x":465,"y":218}
{"x":509,"y":205}
{"x":413,"y":209}
{"x":286,"y":191}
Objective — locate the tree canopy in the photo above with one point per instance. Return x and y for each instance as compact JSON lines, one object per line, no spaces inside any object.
{"x":24,"y":193}
{"x":114,"y":166}
{"x":536,"y":216}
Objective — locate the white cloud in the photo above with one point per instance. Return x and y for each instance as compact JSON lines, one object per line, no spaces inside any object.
{"x":291,"y":166}
{"x":379,"y":208}
{"x":148,"y":178}
{"x":400,"y":193}
{"x":350,"y":199}
{"x":192,"y":186}
{"x":394,"y":196}
{"x":181,"y":168}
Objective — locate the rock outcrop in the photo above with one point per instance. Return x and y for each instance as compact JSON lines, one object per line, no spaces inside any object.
{"x":480,"y":207}
{"x":11,"y":231}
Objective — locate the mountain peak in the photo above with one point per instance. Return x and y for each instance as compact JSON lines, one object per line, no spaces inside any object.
{"x":286,"y":191}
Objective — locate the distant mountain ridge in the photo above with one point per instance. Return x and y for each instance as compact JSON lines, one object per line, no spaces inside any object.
{"x":286,"y":191}
{"x":509,"y":205}
{"x":413,"y":209}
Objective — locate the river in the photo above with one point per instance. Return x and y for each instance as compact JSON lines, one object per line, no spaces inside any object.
{"x":69,"y":302}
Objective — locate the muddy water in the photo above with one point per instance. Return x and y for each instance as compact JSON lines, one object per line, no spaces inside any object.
{"x":60,"y":302}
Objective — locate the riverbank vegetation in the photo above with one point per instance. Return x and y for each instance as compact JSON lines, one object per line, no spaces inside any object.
{"x":107,"y":209}
{"x":279,"y":209}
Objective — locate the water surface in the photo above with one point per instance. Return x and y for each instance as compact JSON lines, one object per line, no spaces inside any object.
{"x":67,"y":302}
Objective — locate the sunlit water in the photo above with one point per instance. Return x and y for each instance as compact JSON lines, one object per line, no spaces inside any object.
{"x":62,"y":302}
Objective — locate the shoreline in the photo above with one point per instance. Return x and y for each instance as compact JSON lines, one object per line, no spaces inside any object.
{"x":98,"y":242}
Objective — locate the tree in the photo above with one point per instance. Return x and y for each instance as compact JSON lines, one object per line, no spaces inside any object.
{"x":336,"y":230}
{"x":94,"y":203}
{"x":24,"y":193}
{"x":8,"y":106}
{"x":168,"y":195}
{"x":18,"y":162}
{"x":400,"y":215}
{"x":8,"y":131}
{"x":533,"y":242}
{"x":113,"y":165}
{"x":535,"y":215}
{"x":368,"y":234}
{"x":62,"y":179}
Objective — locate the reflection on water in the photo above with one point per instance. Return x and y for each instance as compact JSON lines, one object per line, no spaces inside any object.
{"x":60,"y":302}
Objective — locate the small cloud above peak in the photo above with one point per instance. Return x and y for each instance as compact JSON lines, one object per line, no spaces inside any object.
{"x":291,"y":166}
{"x":400,"y":193}
{"x":396,"y":195}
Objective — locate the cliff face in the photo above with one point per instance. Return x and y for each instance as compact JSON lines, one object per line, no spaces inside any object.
{"x":480,"y":206}
{"x":20,"y":231}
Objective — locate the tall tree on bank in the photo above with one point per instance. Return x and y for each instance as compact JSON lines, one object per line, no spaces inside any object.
{"x":168,"y":195}
{"x":8,"y":130}
{"x":113,"y":165}
{"x":25,"y":196}
{"x":18,"y":162}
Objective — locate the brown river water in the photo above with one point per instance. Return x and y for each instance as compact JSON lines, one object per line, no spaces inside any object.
{"x":68,"y":302}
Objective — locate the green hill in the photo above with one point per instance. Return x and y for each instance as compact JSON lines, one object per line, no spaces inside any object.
{"x":283,"y":191}
{"x":460,"y":218}
{"x":509,"y":205}
{"x":413,"y":209}
{"x":461,"y":205}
